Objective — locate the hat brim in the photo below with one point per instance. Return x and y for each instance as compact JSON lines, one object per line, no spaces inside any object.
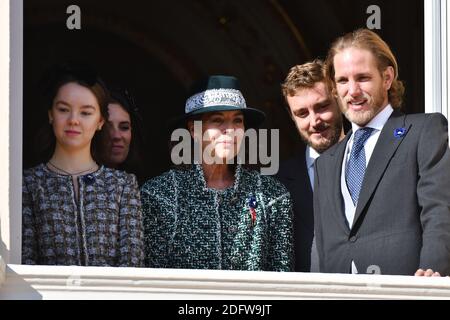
{"x":253,"y":117}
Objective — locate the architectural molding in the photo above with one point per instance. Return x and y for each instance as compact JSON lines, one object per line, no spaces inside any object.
{"x":5,"y":220}
{"x":11,"y":31}
{"x":65,"y":282}
{"x":433,"y":56}
{"x":15,"y":133}
{"x":437,"y":66}
{"x":445,"y":67}
{"x":2,"y":272}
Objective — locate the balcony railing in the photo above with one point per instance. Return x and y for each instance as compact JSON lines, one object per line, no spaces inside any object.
{"x":65,"y":282}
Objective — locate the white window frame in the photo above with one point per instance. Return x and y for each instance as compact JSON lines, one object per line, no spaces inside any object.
{"x":59,"y":282}
{"x":11,"y":129}
{"x":437,"y":64}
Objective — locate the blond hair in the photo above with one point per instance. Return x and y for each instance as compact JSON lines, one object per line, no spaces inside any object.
{"x":370,"y":41}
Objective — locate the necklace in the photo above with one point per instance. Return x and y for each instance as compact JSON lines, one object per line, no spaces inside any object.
{"x":72,"y":174}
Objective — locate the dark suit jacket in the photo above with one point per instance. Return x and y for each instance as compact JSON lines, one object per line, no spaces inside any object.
{"x":402,"y":219}
{"x":294,"y":175}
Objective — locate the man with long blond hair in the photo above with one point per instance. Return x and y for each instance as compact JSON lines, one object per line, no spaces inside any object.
{"x":382,"y":195}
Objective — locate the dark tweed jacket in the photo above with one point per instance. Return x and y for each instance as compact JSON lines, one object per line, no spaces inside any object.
{"x":102,"y":228}
{"x":187,"y":225}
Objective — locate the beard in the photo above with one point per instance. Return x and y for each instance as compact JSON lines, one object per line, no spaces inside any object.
{"x":362,"y":117}
{"x":324,"y":143}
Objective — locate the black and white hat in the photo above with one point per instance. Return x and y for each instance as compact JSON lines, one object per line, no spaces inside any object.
{"x":220,"y":93}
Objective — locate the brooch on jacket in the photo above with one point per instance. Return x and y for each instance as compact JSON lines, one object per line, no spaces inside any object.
{"x":88,"y":179}
{"x":399,"y":132}
{"x":253,"y":204}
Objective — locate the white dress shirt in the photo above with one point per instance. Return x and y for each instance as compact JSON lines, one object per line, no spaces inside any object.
{"x":377,"y":123}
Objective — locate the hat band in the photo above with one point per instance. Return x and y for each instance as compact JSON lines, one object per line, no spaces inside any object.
{"x":215,"y":97}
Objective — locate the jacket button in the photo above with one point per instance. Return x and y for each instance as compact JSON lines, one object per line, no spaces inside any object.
{"x":353,"y":239}
{"x":232,"y":229}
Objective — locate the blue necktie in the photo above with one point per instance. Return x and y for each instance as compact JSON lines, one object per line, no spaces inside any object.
{"x":356,"y":165}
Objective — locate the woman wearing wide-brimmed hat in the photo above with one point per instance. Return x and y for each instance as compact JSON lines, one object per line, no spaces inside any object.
{"x":211,"y":214}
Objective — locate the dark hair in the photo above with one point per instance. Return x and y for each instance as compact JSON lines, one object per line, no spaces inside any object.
{"x":134,"y":160}
{"x":54,"y":79}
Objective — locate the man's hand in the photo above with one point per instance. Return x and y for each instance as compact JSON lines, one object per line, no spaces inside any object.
{"x":428,"y":273}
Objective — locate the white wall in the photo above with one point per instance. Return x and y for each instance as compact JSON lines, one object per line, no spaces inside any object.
{"x":11,"y":26}
{"x":437,"y":64}
{"x":5,"y":242}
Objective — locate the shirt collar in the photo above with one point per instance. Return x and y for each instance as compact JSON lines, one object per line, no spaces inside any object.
{"x":378,"y":121}
{"x":311,"y":156}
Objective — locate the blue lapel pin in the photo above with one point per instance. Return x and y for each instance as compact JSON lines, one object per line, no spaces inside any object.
{"x":399,"y":132}
{"x":252,"y":202}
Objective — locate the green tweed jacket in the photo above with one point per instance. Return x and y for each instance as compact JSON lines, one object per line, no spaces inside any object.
{"x":245,"y":227}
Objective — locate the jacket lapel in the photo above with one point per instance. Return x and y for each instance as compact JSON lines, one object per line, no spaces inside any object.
{"x":302,"y":176}
{"x":337,"y":157}
{"x":385,"y":149}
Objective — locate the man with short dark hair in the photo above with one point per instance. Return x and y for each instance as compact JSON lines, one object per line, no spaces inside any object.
{"x":319,"y":122}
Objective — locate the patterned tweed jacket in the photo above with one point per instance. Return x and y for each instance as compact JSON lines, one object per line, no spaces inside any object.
{"x":102,"y":228}
{"x":245,"y":227}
